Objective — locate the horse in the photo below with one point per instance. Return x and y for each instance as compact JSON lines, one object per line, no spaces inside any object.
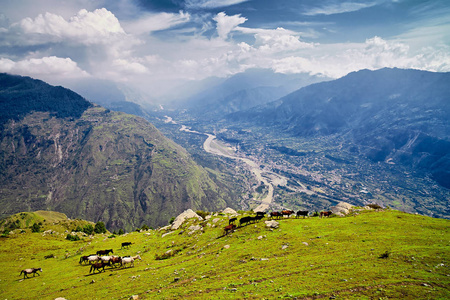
{"x":93,"y":258}
{"x":232,"y":220}
{"x":303,"y":213}
{"x":98,"y":266}
{"x":105,"y":258}
{"x":258,"y":217}
{"x":115,"y":260}
{"x":287,"y":213}
{"x":126,"y":244}
{"x":104,"y":252}
{"x":275,"y":214}
{"x":130,"y":260}
{"x":325,"y":213}
{"x":30,"y":271}
{"x":229,"y":228}
{"x":260,"y":213}
{"x":83,"y":259}
{"x":245,"y":220}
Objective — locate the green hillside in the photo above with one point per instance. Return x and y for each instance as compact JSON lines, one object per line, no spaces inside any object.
{"x":367,"y":255}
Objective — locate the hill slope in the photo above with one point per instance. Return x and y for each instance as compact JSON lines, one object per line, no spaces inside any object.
{"x":65,"y":154}
{"x":367,"y":255}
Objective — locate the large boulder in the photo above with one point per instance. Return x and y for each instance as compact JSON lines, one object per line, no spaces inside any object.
{"x":187,"y":214}
{"x":229,"y":211}
{"x":272,"y":224}
{"x":342,"y":208}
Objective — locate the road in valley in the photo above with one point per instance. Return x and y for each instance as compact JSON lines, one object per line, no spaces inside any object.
{"x":212,"y":146}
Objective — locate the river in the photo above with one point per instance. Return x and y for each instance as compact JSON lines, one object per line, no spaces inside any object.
{"x":211,"y":146}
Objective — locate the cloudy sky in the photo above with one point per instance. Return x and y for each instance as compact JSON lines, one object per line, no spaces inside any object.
{"x":156,"y":44}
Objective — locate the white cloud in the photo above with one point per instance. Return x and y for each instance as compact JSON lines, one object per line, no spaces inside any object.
{"x":46,"y":67}
{"x":212,"y":3}
{"x":154,"y":22}
{"x":338,"y":60}
{"x":97,"y":27}
{"x":339,"y":8}
{"x":226,"y":24}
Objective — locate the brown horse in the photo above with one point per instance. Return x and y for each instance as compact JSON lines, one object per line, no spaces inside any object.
{"x":104,"y":252}
{"x":99,"y":265}
{"x":30,"y":271}
{"x":229,"y":228}
{"x":325,"y":214}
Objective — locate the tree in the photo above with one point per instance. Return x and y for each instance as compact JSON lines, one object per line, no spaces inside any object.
{"x":121,"y":231}
{"x":100,"y":227}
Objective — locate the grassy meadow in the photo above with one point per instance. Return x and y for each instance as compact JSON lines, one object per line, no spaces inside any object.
{"x":368,"y":254}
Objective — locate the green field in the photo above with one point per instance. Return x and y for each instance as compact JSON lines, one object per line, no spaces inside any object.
{"x":367,"y":255}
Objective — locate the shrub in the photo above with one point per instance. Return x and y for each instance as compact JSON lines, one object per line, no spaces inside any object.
{"x":374,"y":206}
{"x":36,"y":227}
{"x":88,"y":229}
{"x":72,"y":237}
{"x":171,"y":220}
{"x":121,"y":231}
{"x":384,"y":255}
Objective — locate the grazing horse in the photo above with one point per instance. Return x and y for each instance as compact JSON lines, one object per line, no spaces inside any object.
{"x":275,"y":214}
{"x":30,"y":271}
{"x":303,"y":213}
{"x":231,"y":221}
{"x":245,"y":220}
{"x":126,"y":244}
{"x":287,"y":213}
{"x":130,"y":260}
{"x":104,"y":252}
{"x":83,"y":259}
{"x":229,"y":228}
{"x":325,"y":213}
{"x":99,"y":265}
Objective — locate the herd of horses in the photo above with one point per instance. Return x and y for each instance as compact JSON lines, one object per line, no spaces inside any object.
{"x":275,"y":214}
{"x":102,"y":259}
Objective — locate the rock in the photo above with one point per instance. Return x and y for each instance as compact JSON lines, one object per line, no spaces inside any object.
{"x":272,"y":224}
{"x":264,"y":259}
{"x":167,"y":233}
{"x":284,"y":247}
{"x":194,"y":228}
{"x":342,"y":208}
{"x":187,"y":214}
{"x":305,"y":243}
{"x":261,"y":237}
{"x":229,"y":211}
{"x":176,"y":279}
{"x":226,"y":247}
{"x":134,"y":297}
{"x":60,"y":298}
{"x":216,"y":220}
{"x":165,"y":228}
{"x":93,"y":281}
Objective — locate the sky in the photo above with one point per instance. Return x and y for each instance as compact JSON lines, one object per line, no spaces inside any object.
{"x":157,"y":45}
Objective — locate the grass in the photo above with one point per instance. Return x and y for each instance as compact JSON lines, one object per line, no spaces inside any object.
{"x":304,"y":258}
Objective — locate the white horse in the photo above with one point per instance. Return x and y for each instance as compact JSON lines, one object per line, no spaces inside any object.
{"x":130,"y":260}
{"x":93,"y":258}
{"x":106,"y":258}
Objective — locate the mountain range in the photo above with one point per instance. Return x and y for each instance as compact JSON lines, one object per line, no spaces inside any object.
{"x":61,"y":152}
{"x":389,"y":115}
